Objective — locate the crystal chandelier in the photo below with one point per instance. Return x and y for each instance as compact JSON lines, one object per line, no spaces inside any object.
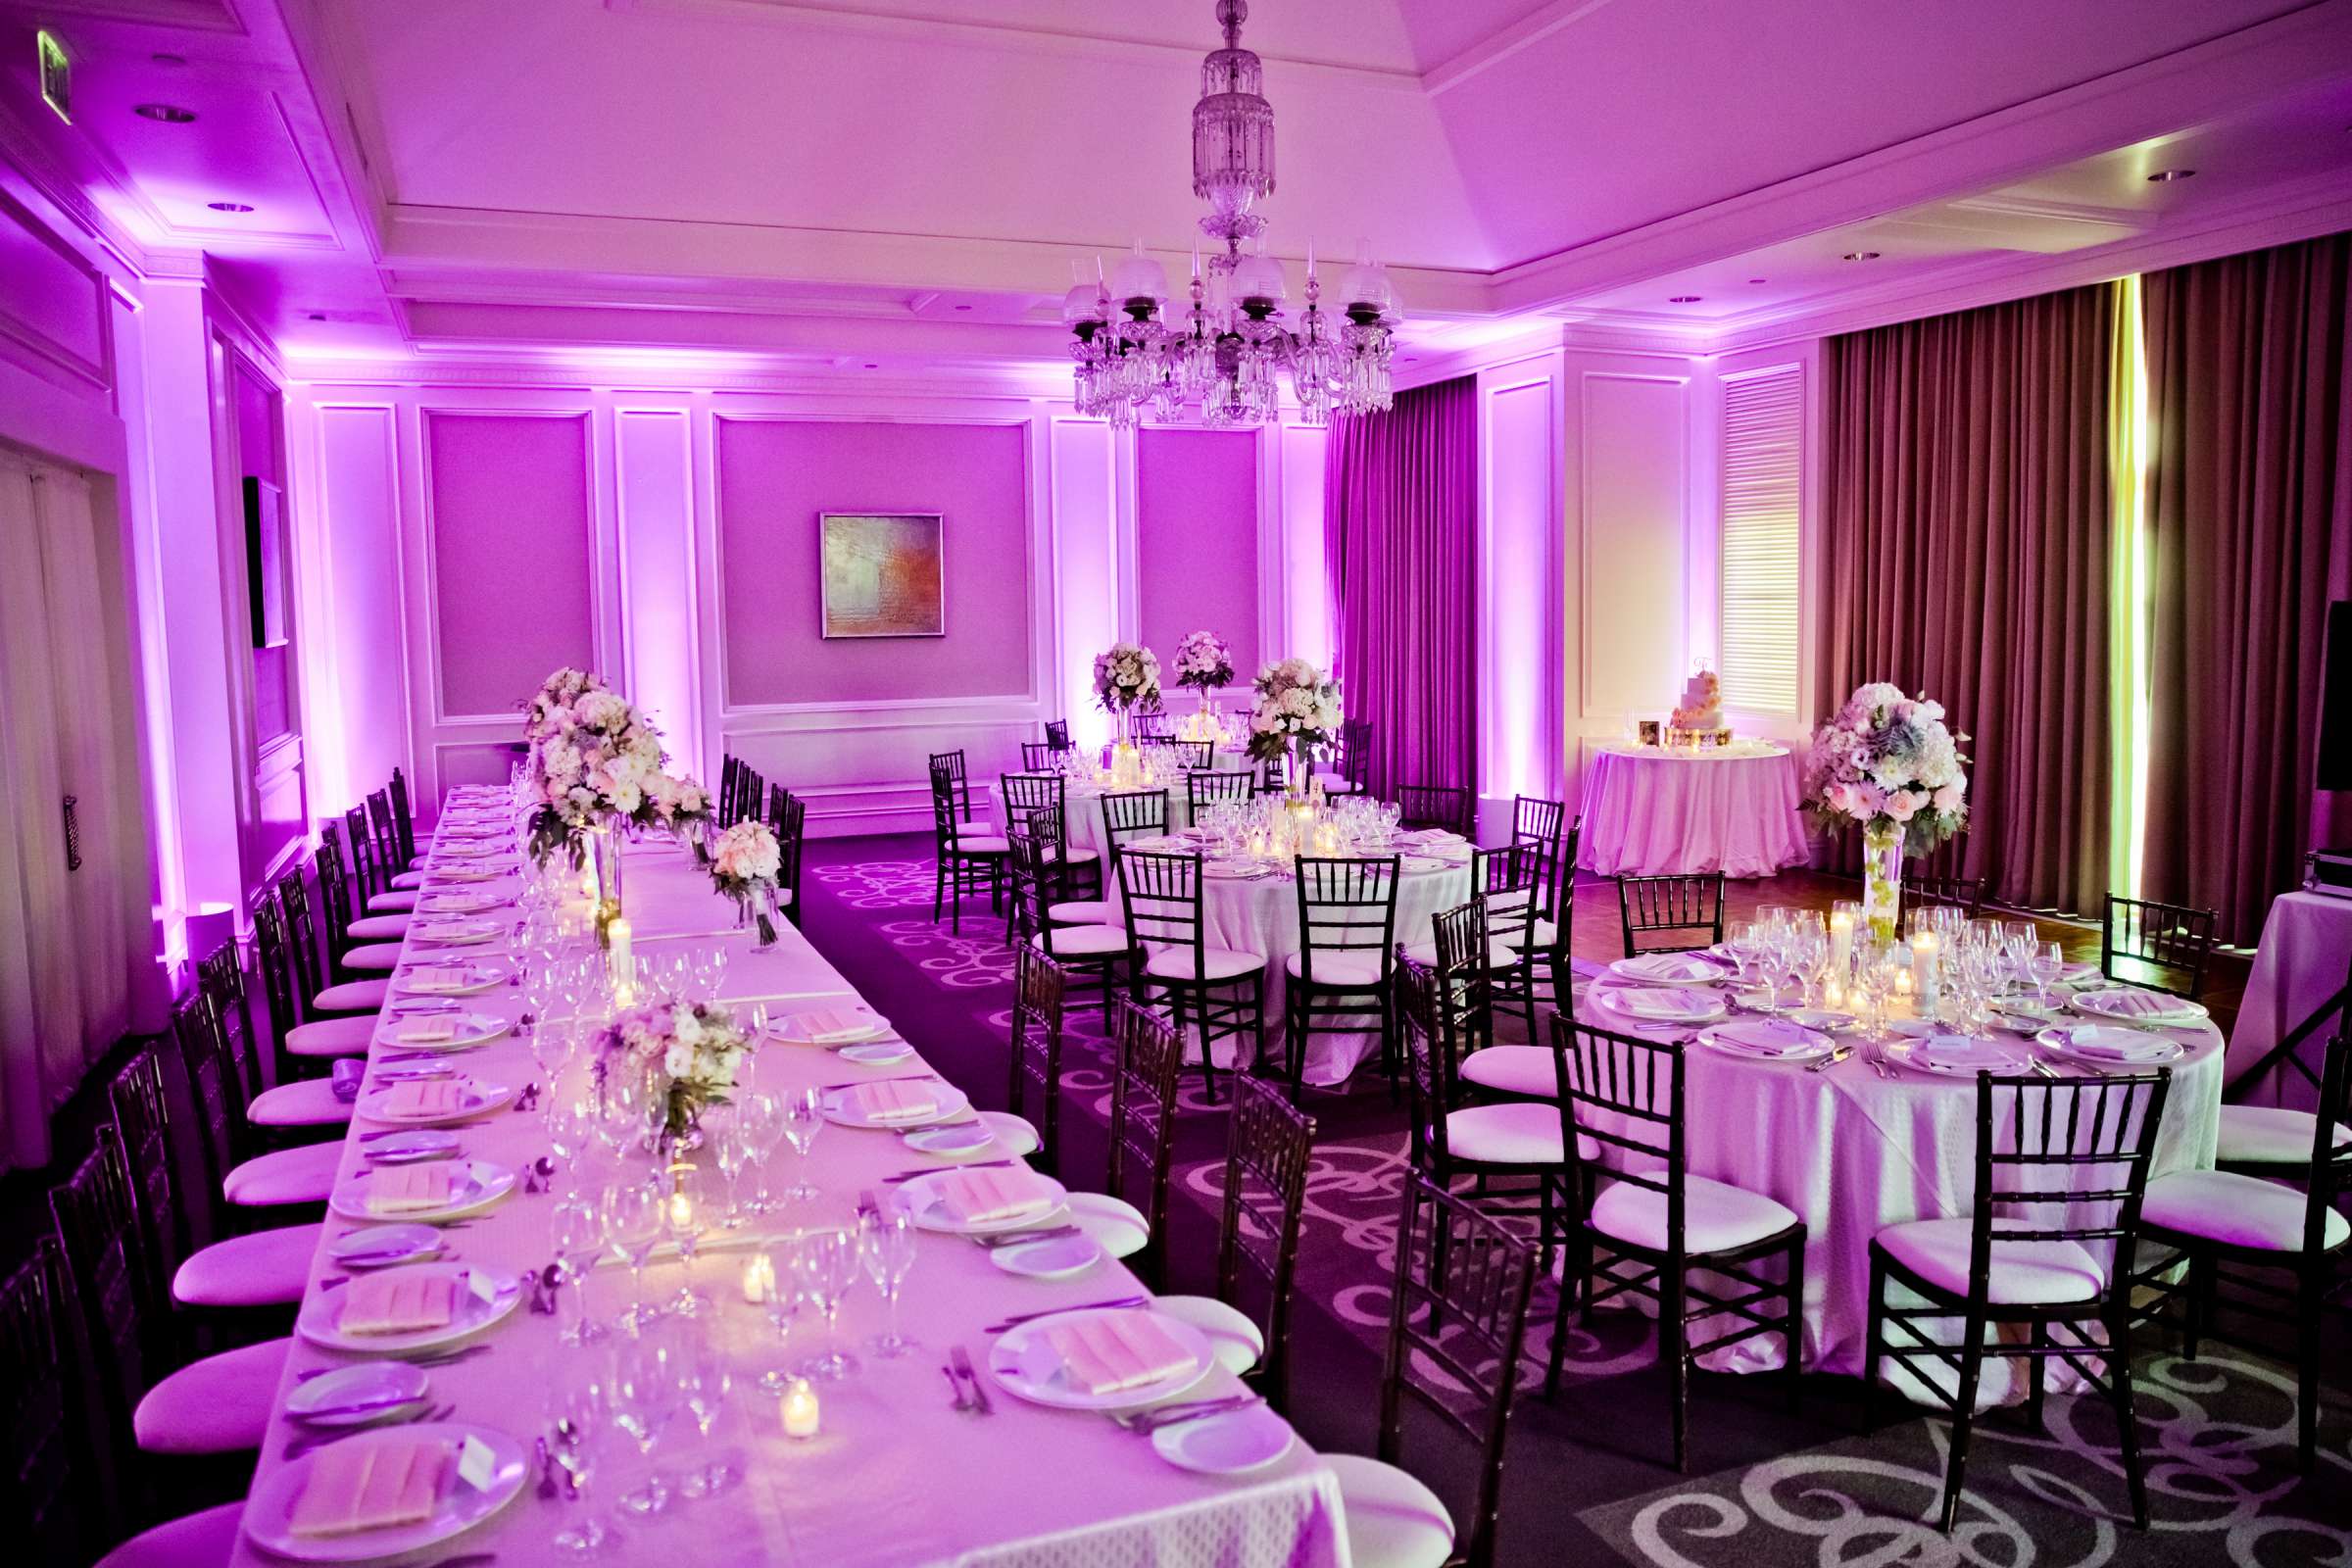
{"x":1223,"y":354}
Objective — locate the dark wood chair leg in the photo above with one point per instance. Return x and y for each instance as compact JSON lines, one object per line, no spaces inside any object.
{"x":2126,"y":1424}
{"x":1673,"y":1335}
{"x":1797,"y":1320}
{"x":2037,"y":1377}
{"x":2311,"y":1300}
{"x":1873,"y":1344}
{"x":1964,"y":1417}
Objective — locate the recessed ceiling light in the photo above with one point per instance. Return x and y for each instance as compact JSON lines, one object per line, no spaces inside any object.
{"x":1861,"y":256}
{"x":1759,"y":280}
{"x":167,"y":114}
{"x":318,"y":316}
{"x":230,"y":207}
{"x":963,"y":307}
{"x":871,"y":365}
{"x":2165,"y":177}
{"x":1683,"y":299}
{"x":170,"y":62}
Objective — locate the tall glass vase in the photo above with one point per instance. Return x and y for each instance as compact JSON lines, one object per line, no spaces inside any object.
{"x":1882,"y":878}
{"x":603,"y":858}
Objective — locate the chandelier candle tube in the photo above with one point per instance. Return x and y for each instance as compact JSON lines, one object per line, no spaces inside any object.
{"x":1923,"y":956}
{"x":1841,"y":936}
{"x":618,"y":953}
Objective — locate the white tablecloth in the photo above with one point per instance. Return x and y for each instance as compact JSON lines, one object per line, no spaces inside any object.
{"x":2306,"y":947}
{"x":898,"y":1476}
{"x":1852,"y":1153}
{"x":1651,"y":811}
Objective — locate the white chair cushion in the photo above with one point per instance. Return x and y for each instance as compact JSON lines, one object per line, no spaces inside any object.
{"x":1500,"y":953}
{"x":392,"y":903}
{"x":1394,"y":1521}
{"x":1338,"y":968}
{"x":332,"y":1037}
{"x":1513,"y":1070}
{"x":303,"y":1175}
{"x":267,"y":1268}
{"x":1117,"y":1225}
{"x":1545,"y":934}
{"x":1079,"y":854}
{"x":2024,"y":1273}
{"x":1216,"y":963}
{"x":1083,"y":941}
{"x":983,"y":844}
{"x":304,"y":1102}
{"x":355,"y":996}
{"x":2264,"y":1134}
{"x":1019,"y":1139}
{"x":1716,"y":1215}
{"x":380,"y":957}
{"x":1522,"y":1132}
{"x":193,"y":1540}
{"x":1081,"y":911}
{"x":378,"y":928}
{"x":407,"y":880}
{"x":2223,"y":1205}
{"x":1236,"y":1340}
{"x":219,"y":1404}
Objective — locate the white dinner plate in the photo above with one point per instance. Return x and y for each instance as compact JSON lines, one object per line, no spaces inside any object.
{"x":404,"y":1148}
{"x":878,"y":1054}
{"x":952,"y":1140}
{"x":479,"y":1100}
{"x":468,"y":1316}
{"x":433,"y":904}
{"x":1836,"y":1023}
{"x":1049,"y":1257}
{"x":462,"y":1507}
{"x":468,"y":1031}
{"x":953,"y":1103}
{"x":479,"y":977}
{"x":919,"y":1197}
{"x":2104,"y":1045}
{"x":1423,"y":862}
{"x":355,"y":1396}
{"x":1024,"y":1364}
{"x":385,"y":1246}
{"x":477,"y":1184}
{"x":2107,"y":1004}
{"x":1625,"y":1002}
{"x":1229,"y":1443}
{"x":467,"y":933}
{"x":1236,"y":870}
{"x":1671,"y":969}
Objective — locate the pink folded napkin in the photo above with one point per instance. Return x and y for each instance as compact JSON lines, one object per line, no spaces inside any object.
{"x":400,"y":1300}
{"x":893,"y":1100}
{"x":1115,"y":1351}
{"x":413,"y":1102}
{"x":407,"y":1189}
{"x":1673,"y":967}
{"x":435,"y":1030}
{"x":826,"y":1026}
{"x":369,"y":1485}
{"x":2110,"y":1044}
{"x":2123,"y":1003}
{"x":992,"y":1197}
{"x":1643,"y":1002}
{"x":438,"y":978}
{"x":1771,"y":1037}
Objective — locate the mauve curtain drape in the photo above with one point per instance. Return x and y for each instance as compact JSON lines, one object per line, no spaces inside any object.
{"x":2250,"y":518}
{"x":1399,"y":543}
{"x":1966,"y":557}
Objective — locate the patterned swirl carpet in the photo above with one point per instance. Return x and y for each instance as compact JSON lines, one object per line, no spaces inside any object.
{"x":1588,"y":1477}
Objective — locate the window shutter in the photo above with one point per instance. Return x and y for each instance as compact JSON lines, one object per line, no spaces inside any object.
{"x":1763,"y":426}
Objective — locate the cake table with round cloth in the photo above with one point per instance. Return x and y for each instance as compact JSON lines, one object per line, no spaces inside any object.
{"x":1655,"y":810}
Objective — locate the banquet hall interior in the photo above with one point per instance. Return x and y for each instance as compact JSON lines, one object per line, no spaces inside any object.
{"x":1281,"y":785}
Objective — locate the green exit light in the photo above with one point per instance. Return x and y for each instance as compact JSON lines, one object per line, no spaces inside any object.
{"x":56,"y":76}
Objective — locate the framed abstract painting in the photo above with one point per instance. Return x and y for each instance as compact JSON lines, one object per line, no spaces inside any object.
{"x":880,"y":574}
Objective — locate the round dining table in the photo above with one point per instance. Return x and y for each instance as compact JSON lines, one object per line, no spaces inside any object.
{"x":1659,"y":811}
{"x":1862,"y":1145}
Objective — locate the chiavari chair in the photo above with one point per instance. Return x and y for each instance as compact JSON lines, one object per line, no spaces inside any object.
{"x":2046,"y":1248}
{"x":1103,"y":954}
{"x":1204,"y":789}
{"x":1143,"y":1123}
{"x":350,"y":959}
{"x":1657,"y":1223}
{"x":965,"y":862}
{"x":299,"y":1040}
{"x":227,"y":1144}
{"x":404,"y":823}
{"x":1027,"y":795}
{"x":375,"y":873}
{"x":299,"y":1106}
{"x":1057,"y":734}
{"x":1154,"y":725}
{"x":1038,"y":757}
{"x":2162,"y":946}
{"x":385,"y":829}
{"x":1343,"y":767}
{"x":2246,"y":1232}
{"x":46,"y":1491}
{"x":1344,"y":971}
{"x":218,"y":1405}
{"x":1132,"y":815}
{"x":1670,"y":913}
{"x":327,"y":996}
{"x":1467,"y":961}
{"x":1266,"y":1159}
{"x":790,"y":823}
{"x":1546,"y":967}
{"x":722,"y":804}
{"x":1455,"y":1267}
{"x":1924,"y":889}
{"x":1195,"y":757}
{"x":1039,"y":988}
{"x":1537,"y":826}
{"x":1448,"y":807}
{"x":1508,"y":880}
{"x":1217,"y":991}
{"x":367,"y":922}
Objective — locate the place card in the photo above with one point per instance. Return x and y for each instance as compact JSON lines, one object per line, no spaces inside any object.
{"x":478,"y":1463}
{"x":484,"y":1287}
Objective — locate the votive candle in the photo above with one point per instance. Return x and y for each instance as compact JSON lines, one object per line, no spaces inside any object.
{"x":759,"y":1278}
{"x":799,"y":1410}
{"x":1842,"y":939}
{"x":1923,"y":955}
{"x":622,"y":958}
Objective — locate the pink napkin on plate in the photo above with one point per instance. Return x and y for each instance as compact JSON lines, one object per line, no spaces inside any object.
{"x":991,"y":1196}
{"x":406,"y":1188}
{"x":2110,"y":1044}
{"x":436,"y":1097}
{"x":398,"y":1300}
{"x":1662,"y":1005}
{"x":825,"y":1026}
{"x":2125,"y":1002}
{"x":1771,"y":1037}
{"x":369,"y":1485}
{"x":895,"y":1099}
{"x":1671,"y":967}
{"x":1114,"y":1352}
{"x":428,"y":1031}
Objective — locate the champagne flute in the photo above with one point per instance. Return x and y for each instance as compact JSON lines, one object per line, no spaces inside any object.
{"x":886,"y":1241}
{"x":576,"y":1227}
{"x":634,"y":1222}
{"x":784,"y":1299}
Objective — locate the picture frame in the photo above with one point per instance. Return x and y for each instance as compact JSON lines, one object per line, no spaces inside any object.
{"x":882,"y":574}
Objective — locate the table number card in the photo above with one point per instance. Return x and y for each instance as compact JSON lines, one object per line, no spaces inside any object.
{"x":482,"y":1286}
{"x":478,"y":1465}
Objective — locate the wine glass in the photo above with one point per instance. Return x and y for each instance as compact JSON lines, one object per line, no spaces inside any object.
{"x":2019,"y":939}
{"x":730,"y":1151}
{"x":885,"y":1239}
{"x":2045,"y":966}
{"x":643,"y":1396}
{"x":576,"y":1228}
{"x":828,"y":1263}
{"x":803,"y":1117}
{"x":634,"y":1222}
{"x":685,"y":1216}
{"x":576,"y":1443}
{"x":784,"y":1297}
{"x":703,"y":1382}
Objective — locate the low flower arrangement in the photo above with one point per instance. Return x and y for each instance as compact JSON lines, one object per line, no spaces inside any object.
{"x":687,"y":809}
{"x":691,"y":1050}
{"x":1297,"y":711}
{"x":745,"y":863}
{"x":1203,"y":662}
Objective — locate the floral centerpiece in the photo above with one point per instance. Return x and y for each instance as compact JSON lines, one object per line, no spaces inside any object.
{"x":1890,"y":762}
{"x":1295,"y":713}
{"x":1127,"y":682}
{"x":554,"y":696}
{"x":745,"y":861}
{"x":687,"y":809}
{"x":689,"y":1050}
{"x":594,"y":763}
{"x":1206,"y":664}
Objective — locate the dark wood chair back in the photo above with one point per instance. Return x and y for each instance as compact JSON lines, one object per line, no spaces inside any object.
{"x":1039,"y":993}
{"x":208,"y":1060}
{"x":1347,"y":911}
{"x":1670,"y":913}
{"x":1456,"y":1323}
{"x":334,"y":892}
{"x":1154,"y":725}
{"x":1440,"y":806}
{"x":391,"y":847}
{"x":48,"y":1495}
{"x":1266,"y":1160}
{"x":1143,"y":1119}
{"x":221,"y":973}
{"x":1464,"y":973}
{"x":1133,"y":814}
{"x":1037,"y":757}
{"x":113,"y":1281}
{"x":791,"y":826}
{"x":368,"y":875}
{"x":404,"y":819}
{"x":960,"y":786}
{"x":302,"y":935}
{"x":2164,"y":947}
{"x":1161,"y":893}
{"x":1203,"y":788}
{"x":1432,"y":1064}
{"x":274,"y":961}
{"x":1510,"y":880}
{"x":1930,"y":890}
{"x":1195,"y":757}
{"x":1624,"y":1093}
{"x":1027,"y":793}
{"x":1057,"y":734}
{"x":143,"y":1124}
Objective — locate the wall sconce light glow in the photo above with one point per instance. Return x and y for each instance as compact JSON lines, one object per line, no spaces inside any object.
{"x":57,"y":74}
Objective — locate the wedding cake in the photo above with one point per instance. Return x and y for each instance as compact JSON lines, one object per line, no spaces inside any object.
{"x":1700,"y":711}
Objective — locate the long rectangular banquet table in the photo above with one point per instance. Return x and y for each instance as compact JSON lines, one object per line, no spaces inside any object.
{"x":897,"y":1475}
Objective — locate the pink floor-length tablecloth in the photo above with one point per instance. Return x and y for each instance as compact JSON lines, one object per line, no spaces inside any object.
{"x":2306,"y":948}
{"x":1654,"y":812}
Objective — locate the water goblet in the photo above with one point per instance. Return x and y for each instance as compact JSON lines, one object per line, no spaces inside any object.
{"x":576,"y":1229}
{"x":704,"y":1383}
{"x":784,"y":1299}
{"x":685,"y":1216}
{"x":643,"y":1393}
{"x":2043,"y":967}
{"x":576,"y":1443}
{"x":803,"y":1117}
{"x":828,"y":1263}
{"x":634,"y":1222}
{"x":886,"y":1243}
